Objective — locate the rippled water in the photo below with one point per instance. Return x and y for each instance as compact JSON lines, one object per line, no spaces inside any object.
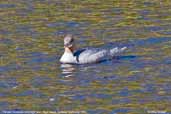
{"x":31,"y":43}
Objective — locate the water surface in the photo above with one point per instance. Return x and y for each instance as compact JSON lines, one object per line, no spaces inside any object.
{"x":31,"y":43}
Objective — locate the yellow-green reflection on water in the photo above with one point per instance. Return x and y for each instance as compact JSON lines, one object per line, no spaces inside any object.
{"x":31,"y":43}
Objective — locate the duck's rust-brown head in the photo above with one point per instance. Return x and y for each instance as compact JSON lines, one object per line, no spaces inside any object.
{"x":69,"y":42}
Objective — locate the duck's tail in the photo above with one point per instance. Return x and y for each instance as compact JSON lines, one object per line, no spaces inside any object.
{"x":117,"y":50}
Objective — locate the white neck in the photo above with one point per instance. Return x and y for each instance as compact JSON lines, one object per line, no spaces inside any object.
{"x":68,"y":56}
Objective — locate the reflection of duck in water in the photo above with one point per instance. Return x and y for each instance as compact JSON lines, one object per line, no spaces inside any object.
{"x":85,"y":56}
{"x":67,"y":69}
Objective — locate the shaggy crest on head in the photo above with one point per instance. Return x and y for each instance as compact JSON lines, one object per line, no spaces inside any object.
{"x":68,"y":40}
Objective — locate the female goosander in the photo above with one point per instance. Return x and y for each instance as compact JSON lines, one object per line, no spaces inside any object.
{"x":85,"y":56}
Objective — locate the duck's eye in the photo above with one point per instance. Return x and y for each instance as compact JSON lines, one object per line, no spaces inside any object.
{"x":72,"y":40}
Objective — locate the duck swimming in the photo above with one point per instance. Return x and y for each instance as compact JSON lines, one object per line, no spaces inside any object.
{"x":86,"y":56}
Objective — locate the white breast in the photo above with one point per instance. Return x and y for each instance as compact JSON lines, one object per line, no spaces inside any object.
{"x":68,"y":58}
